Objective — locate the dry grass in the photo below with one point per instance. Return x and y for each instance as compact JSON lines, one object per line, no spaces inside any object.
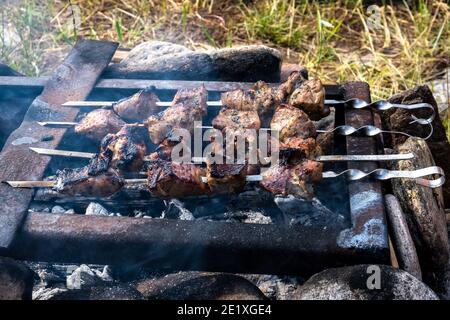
{"x":334,"y":40}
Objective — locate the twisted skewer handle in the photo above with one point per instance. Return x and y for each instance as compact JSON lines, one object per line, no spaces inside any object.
{"x":385,"y":105}
{"x":383,"y":174}
{"x":369,"y":130}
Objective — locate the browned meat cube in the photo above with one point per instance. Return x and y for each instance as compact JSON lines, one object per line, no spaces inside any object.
{"x":168,"y":179}
{"x":292,"y":122}
{"x":285,"y":90}
{"x":226,"y":177}
{"x":98,"y":123}
{"x":79,"y":182}
{"x":188,"y":106}
{"x":297,"y":180}
{"x":126,"y":149}
{"x":297,"y":149}
{"x":310,"y":97}
{"x":232,"y":119}
{"x":138,"y":107}
{"x":260,"y":98}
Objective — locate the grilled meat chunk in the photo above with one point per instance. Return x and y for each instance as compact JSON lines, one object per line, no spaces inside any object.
{"x":296,"y":149}
{"x":226,"y":177}
{"x":232,"y":119}
{"x":98,"y":123}
{"x":79,"y":182}
{"x":310,"y":97}
{"x":126,"y":149}
{"x":297,"y":180}
{"x":187,"y":106}
{"x":292,"y":122}
{"x":284,"y":91}
{"x":138,"y":107}
{"x":167,"y":179}
{"x":260,"y":99}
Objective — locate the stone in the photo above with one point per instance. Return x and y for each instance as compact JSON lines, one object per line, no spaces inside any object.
{"x":58,"y":210}
{"x":16,"y":280}
{"x":199,"y":286}
{"x":70,"y":211}
{"x":96,"y":209}
{"x":423,"y":208}
{"x":404,"y":244}
{"x":351,"y":283}
{"x":163,"y":60}
{"x":81,"y":278}
{"x":398,"y":120}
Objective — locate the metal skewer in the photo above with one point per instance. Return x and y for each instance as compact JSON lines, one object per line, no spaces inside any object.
{"x":352,"y":174}
{"x":52,"y":183}
{"x":325,"y":158}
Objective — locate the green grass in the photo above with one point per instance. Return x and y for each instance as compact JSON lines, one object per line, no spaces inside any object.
{"x":331,"y":38}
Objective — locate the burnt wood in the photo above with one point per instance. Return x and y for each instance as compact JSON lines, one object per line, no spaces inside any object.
{"x":72,"y":80}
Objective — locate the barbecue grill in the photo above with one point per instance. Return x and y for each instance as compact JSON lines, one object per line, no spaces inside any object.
{"x":166,"y":244}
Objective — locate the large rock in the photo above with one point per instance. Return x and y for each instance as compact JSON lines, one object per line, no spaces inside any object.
{"x":351,"y":283}
{"x":199,"y":286}
{"x":423,"y":208}
{"x":162,"y":60}
{"x":399,"y":119}
{"x":16,"y":280}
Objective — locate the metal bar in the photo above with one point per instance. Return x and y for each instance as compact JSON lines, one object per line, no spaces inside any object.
{"x":73,"y":80}
{"x":182,"y":245}
{"x":366,"y":198}
{"x":219,"y":86}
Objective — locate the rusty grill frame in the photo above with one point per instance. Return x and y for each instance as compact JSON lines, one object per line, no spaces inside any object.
{"x":176,"y":244}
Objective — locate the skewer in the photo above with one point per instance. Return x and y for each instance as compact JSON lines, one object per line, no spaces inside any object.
{"x":380,"y":105}
{"x":352,"y":174}
{"x":66,"y":124}
{"x":325,"y":158}
{"x":51,"y":183}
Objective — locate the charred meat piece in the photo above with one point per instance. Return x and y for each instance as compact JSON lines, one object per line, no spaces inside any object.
{"x":138,"y":107}
{"x":79,"y":182}
{"x":284,"y":91}
{"x":226,"y":177}
{"x":98,"y":123}
{"x":297,"y":180}
{"x":310,"y":97}
{"x":294,"y":150}
{"x":260,"y":98}
{"x":126,"y":149}
{"x":292,"y":122}
{"x":187,"y":106}
{"x":168,"y":179}
{"x":166,"y":147}
{"x":232,"y":119}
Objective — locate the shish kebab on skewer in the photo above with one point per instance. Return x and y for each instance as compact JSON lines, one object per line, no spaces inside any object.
{"x":309,"y":95}
{"x":243,"y":105}
{"x":188,"y":175}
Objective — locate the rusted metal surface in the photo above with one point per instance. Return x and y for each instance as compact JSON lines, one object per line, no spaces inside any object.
{"x":73,"y":79}
{"x":369,"y":230}
{"x":181,"y":245}
{"x":218,"y":86}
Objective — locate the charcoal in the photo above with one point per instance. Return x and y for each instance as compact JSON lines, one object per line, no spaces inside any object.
{"x":176,"y":210}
